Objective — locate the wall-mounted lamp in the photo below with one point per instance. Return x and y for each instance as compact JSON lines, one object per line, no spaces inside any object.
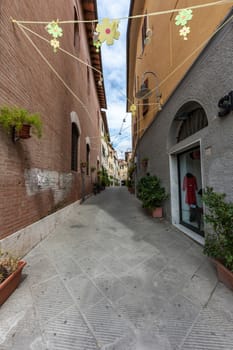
{"x":226,"y":104}
{"x":145,"y":92}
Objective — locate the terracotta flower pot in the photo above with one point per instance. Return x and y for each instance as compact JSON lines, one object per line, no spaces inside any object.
{"x":11,"y":283}
{"x":144,"y":163}
{"x":224,"y":275}
{"x":24,"y":133}
{"x":157,"y":212}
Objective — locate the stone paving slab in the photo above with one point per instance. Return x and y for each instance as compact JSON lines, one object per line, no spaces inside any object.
{"x":113,"y":278}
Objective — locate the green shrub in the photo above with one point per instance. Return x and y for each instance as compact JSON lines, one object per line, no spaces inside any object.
{"x":150,"y":192}
{"x":15,"y":117}
{"x":8,"y":264}
{"x":219,"y":215}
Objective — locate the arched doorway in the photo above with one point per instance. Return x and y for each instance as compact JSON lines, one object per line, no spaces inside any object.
{"x":186,"y":166}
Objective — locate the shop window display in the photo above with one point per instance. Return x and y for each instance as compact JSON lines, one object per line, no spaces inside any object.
{"x":190,"y":189}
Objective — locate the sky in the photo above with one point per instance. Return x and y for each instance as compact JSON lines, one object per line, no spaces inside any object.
{"x":114,"y":69}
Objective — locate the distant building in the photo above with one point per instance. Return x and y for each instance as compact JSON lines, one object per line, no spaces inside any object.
{"x":123,"y":170}
{"x":105,"y":139}
{"x":113,"y":166}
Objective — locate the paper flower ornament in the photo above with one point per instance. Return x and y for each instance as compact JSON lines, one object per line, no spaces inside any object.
{"x":56,"y":31}
{"x":100,"y":81}
{"x":182,"y":19}
{"x":184,"y":32}
{"x":108,"y":31}
{"x":55,"y":44}
{"x":133,"y":109}
{"x":96,"y":41}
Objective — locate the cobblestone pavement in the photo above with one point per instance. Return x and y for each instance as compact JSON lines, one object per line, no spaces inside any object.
{"x":113,"y":278}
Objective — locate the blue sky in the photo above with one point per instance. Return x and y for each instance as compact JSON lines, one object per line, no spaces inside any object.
{"x":114,"y":67}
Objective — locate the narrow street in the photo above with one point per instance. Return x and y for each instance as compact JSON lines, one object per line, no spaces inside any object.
{"x":113,"y":278}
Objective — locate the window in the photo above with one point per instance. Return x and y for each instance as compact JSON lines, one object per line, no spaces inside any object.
{"x":103,"y":151}
{"x":88,"y":80}
{"x":87,"y":159}
{"x":74,"y":147}
{"x":145,"y":101}
{"x":144,"y":29}
{"x":76,"y":29}
{"x":194,"y":121}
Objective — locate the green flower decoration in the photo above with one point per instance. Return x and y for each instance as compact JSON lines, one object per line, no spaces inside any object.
{"x":184,"y":31}
{"x":54,"y":29}
{"x":108,"y":31}
{"x":97,"y":45}
{"x":183,"y":17}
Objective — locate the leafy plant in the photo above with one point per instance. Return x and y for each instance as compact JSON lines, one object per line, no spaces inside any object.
{"x":8,"y":264}
{"x":145,"y":161}
{"x":14,"y":117}
{"x":103,"y":178}
{"x":219,"y":244}
{"x":150,"y":192}
{"x":130,"y":175}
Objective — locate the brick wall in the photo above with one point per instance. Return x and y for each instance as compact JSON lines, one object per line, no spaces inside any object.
{"x":27,"y":81}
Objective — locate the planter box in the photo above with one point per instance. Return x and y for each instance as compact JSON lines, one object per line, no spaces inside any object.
{"x":24,"y":133}
{"x":224,"y":275}
{"x":11,"y":283}
{"x":131,"y":190}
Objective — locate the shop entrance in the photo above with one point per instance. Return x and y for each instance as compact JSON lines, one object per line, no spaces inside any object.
{"x":190,"y":190}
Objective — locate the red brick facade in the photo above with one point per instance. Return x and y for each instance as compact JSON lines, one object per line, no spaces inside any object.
{"x":35,"y":174}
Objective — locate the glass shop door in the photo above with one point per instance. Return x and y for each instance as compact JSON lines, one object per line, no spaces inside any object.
{"x":190,"y":190}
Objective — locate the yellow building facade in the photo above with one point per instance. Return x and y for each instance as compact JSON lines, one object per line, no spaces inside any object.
{"x":159,"y":56}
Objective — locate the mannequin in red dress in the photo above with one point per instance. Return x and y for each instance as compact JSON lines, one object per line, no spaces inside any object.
{"x":190,"y":186}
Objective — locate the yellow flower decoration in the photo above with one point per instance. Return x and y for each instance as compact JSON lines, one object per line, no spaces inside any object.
{"x":96,"y":41}
{"x":55,"y":44}
{"x":133,"y":109}
{"x":108,"y":31}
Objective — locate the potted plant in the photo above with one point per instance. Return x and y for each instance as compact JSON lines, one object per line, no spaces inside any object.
{"x":152,"y":194}
{"x":19,"y":121}
{"x":130,"y":178}
{"x":10,"y":274}
{"x":219,"y":243}
{"x":83,"y":166}
{"x":145,"y":162}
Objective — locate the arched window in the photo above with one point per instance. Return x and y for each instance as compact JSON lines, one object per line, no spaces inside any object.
{"x":74,"y":147}
{"x":88,"y":80}
{"x":76,"y":29}
{"x":192,"y":118}
{"x":87,"y":158}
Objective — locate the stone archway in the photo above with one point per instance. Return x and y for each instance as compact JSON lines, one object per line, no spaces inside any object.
{"x":188,"y":121}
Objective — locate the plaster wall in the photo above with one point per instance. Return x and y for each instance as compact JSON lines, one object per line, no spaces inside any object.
{"x":166,"y":54}
{"x":209,"y":79}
